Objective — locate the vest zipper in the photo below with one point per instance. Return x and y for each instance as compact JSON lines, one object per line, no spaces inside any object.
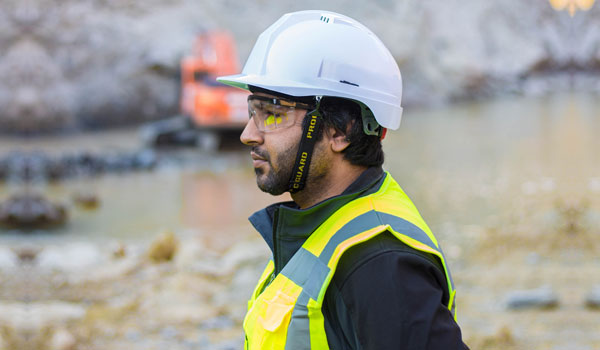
{"x":275,"y":243}
{"x":270,"y":280}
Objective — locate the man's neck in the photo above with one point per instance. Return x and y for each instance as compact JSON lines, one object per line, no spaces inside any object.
{"x":328,"y":186}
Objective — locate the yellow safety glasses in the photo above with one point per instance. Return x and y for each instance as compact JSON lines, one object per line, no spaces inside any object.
{"x":271,"y":114}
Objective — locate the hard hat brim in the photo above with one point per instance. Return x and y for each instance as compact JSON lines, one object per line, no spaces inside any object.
{"x":295,"y":88}
{"x":242,"y":81}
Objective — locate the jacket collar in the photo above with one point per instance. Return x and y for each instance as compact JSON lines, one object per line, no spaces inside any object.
{"x":285,"y":227}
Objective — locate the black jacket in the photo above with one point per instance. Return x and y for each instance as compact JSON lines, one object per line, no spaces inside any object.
{"x":384,"y":294}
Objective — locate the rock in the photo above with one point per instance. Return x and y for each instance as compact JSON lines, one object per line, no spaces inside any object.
{"x":571,"y":212}
{"x":119,"y":251}
{"x":56,"y":169}
{"x":502,"y":339}
{"x":88,"y":164}
{"x":62,"y":339}
{"x":86,"y":200}
{"x":117,"y":163}
{"x":25,"y":166}
{"x":592,"y":300}
{"x":163,"y":248}
{"x":39,"y":167}
{"x":113,"y":270}
{"x":242,"y":254}
{"x":145,"y":160}
{"x":31,"y":211}
{"x":27,"y":254}
{"x":540,"y":298}
{"x":72,"y":257}
{"x":37,"y":315}
{"x":172,"y":304}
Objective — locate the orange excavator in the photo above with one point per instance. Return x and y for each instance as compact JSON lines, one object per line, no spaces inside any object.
{"x":209,"y":109}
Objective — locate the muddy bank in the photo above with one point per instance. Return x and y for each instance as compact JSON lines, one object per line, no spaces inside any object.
{"x":182,"y":291}
{"x":176,"y":293}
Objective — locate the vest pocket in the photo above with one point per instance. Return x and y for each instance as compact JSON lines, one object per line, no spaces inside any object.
{"x":277,"y":311}
{"x":270,"y":329}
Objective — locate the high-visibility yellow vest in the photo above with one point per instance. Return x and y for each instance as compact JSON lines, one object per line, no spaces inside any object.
{"x":286,"y":314}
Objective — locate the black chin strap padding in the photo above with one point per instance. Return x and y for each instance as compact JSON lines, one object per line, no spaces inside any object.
{"x":305,"y":150}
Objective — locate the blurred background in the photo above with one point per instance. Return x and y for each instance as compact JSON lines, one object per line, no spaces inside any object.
{"x":124,"y":190}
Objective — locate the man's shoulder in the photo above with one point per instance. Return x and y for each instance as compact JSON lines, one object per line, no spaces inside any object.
{"x":380,"y":290}
{"x":383,"y":249}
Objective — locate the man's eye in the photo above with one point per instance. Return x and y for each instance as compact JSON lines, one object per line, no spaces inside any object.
{"x":280,"y":118}
{"x":270,"y":120}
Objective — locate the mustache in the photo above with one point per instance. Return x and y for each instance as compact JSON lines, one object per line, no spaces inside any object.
{"x":261,"y":153}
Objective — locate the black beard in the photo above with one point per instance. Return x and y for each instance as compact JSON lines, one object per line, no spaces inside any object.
{"x":277,"y":182}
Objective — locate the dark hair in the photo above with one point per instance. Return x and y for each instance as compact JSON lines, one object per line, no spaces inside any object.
{"x":345,"y":116}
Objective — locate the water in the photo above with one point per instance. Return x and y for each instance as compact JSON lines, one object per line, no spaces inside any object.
{"x":455,"y":162}
{"x":473,"y":163}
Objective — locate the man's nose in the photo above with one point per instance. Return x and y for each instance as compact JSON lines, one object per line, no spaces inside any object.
{"x":251,"y":135}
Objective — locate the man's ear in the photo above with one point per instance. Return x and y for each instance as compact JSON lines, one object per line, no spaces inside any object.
{"x":337,"y":140}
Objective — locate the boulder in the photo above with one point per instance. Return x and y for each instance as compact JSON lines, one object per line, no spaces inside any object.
{"x":86,"y":200}
{"x":62,"y":339}
{"x":38,"y":315}
{"x":163,"y":248}
{"x":592,"y":300}
{"x":76,"y":257}
{"x":31,"y":211}
{"x":539,"y":298}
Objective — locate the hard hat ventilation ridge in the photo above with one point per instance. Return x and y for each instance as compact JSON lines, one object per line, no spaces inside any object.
{"x":349,"y":83}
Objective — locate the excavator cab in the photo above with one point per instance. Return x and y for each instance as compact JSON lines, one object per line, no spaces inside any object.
{"x":208,"y":108}
{"x":208,"y":103}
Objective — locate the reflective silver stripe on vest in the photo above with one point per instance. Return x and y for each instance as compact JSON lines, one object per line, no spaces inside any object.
{"x":307,"y":271}
{"x":310,"y":272}
{"x":298,"y":336}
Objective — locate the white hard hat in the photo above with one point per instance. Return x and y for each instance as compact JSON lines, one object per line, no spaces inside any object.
{"x":321,"y":53}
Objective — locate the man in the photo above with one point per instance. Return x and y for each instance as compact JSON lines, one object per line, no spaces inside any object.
{"x":354,"y":265}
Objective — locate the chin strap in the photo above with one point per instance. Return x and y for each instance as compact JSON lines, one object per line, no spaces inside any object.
{"x":306,"y":147}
